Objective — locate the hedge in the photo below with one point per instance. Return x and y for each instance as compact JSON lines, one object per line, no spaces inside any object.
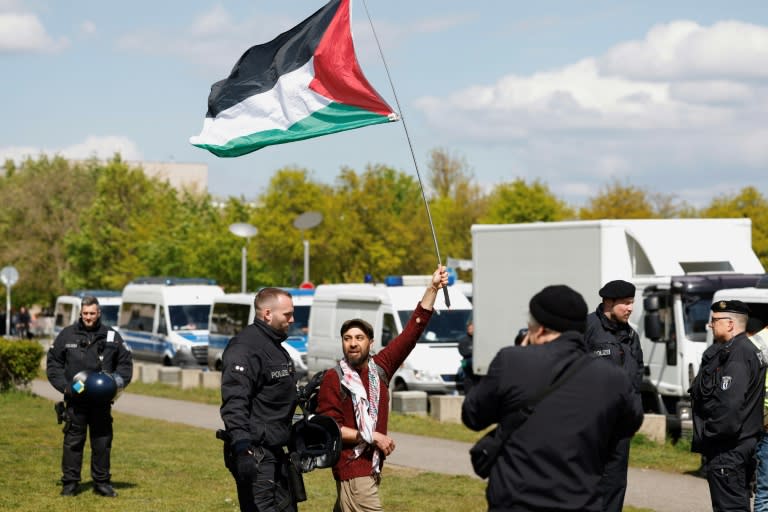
{"x":19,"y":362}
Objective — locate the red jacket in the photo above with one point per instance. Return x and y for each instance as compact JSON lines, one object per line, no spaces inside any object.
{"x":390,"y":358}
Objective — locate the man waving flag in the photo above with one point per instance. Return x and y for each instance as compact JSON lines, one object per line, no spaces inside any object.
{"x":304,"y":83}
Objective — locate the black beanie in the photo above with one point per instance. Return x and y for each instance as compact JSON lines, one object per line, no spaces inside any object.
{"x":560,"y":308}
{"x":618,"y":289}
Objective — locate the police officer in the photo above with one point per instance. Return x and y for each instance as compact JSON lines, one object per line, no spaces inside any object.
{"x":555,"y":459}
{"x":87,"y":345}
{"x":727,"y":396}
{"x":258,"y":392}
{"x":610,"y":336}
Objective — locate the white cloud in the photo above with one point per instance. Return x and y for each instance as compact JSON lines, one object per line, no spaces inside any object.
{"x":102,"y":147}
{"x":216,"y":21}
{"x":686,"y":102}
{"x":686,"y":50}
{"x":87,"y":28}
{"x":24,"y":33}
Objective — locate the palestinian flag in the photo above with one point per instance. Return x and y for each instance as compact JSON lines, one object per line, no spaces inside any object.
{"x":304,"y":83}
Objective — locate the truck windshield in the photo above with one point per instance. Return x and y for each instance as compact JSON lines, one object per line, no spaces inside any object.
{"x":697,"y":317}
{"x":109,"y":315}
{"x":443,"y":327}
{"x":190,"y":317}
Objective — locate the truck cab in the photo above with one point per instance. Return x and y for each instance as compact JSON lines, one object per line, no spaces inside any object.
{"x":675,"y":318}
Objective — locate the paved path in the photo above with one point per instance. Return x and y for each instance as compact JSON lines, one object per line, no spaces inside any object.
{"x":656,"y":490}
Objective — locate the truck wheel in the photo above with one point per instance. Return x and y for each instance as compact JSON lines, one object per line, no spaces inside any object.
{"x":400,"y":385}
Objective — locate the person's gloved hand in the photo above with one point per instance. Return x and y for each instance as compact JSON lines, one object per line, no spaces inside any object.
{"x":244,"y":460}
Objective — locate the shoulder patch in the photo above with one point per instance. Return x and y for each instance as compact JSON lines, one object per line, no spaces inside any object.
{"x":110,"y":336}
{"x":726,"y":382}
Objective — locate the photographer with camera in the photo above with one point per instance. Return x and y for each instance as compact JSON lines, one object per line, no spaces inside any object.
{"x":575,"y":408}
{"x":89,"y":363}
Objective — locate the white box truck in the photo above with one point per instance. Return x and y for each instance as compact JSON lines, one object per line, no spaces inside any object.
{"x":676,"y":265}
{"x":166,"y":319}
{"x":430,"y":367}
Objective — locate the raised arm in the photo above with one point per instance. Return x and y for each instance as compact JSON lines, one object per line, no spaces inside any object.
{"x":439,"y":280}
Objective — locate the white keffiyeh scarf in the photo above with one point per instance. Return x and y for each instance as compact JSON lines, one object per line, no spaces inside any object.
{"x":366,"y":405}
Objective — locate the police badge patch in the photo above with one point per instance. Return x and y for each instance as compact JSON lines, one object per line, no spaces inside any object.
{"x":726,"y":382}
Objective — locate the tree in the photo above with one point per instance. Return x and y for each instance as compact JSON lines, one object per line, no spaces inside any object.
{"x":279,"y":248}
{"x":617,"y":201}
{"x":42,"y":203}
{"x":457,"y":203}
{"x":380,"y":226}
{"x":518,"y":201}
{"x":748,"y":203}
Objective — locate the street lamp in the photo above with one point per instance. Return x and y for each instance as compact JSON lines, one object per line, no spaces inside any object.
{"x":8,"y":276}
{"x":243,"y":230}
{"x":307,"y":220}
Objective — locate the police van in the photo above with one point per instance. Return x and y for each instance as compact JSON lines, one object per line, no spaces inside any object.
{"x":433,"y":363}
{"x":231,"y":312}
{"x":67,"y":309}
{"x":166,"y":319}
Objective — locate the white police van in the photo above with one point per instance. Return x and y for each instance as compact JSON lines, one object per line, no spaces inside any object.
{"x":67,"y":309}
{"x":165,"y":319}
{"x":433,"y":363}
{"x":231,"y":312}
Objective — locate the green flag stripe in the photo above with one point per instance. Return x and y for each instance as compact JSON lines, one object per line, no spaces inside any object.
{"x":334,"y":118}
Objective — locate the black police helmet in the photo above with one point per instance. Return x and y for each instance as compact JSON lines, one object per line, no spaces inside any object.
{"x":317,"y":442}
{"x":93,"y":388}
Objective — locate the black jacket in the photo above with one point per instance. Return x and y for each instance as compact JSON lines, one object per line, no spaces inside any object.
{"x":727,"y":396}
{"x":258,"y":388}
{"x":76,"y":349}
{"x":617,"y":342}
{"x":555,"y":460}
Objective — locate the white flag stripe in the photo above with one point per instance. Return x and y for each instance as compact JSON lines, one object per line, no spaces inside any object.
{"x":288,"y":102}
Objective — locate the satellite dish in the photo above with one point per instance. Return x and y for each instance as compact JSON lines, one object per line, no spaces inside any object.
{"x":9,"y":276}
{"x":243,"y":229}
{"x":308,"y":220}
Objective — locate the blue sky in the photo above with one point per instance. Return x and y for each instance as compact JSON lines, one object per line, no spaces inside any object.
{"x":669,"y":96}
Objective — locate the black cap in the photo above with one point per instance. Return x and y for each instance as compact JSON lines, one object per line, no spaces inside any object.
{"x":560,"y":308}
{"x":617,"y":289}
{"x":360,"y":324}
{"x":730,"y":306}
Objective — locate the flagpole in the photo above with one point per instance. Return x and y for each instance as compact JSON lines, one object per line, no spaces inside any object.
{"x":410,"y":146}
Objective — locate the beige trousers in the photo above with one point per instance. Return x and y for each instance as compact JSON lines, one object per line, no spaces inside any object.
{"x":357,"y":495}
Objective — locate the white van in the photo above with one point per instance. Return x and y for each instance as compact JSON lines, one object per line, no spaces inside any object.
{"x":166,"y":319}
{"x":430,"y":367}
{"x":67,"y":309}
{"x":231,"y":312}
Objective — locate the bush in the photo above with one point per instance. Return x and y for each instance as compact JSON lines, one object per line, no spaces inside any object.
{"x":19,"y":362}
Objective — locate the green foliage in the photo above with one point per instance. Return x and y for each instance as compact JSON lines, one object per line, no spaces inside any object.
{"x":617,"y":201}
{"x":42,"y":202}
{"x":19,"y":362}
{"x":456,"y":204}
{"x":748,"y":202}
{"x":520,"y":202}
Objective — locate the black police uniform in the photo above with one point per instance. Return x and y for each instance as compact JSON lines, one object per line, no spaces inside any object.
{"x":727,"y":396}
{"x":619,"y":343}
{"x":76,"y":349}
{"x":555,"y":460}
{"x":258,"y":392}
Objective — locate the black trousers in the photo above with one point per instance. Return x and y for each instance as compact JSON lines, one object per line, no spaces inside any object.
{"x":613,"y":484}
{"x":83,"y":420}
{"x":729,"y":475}
{"x":268,"y":491}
